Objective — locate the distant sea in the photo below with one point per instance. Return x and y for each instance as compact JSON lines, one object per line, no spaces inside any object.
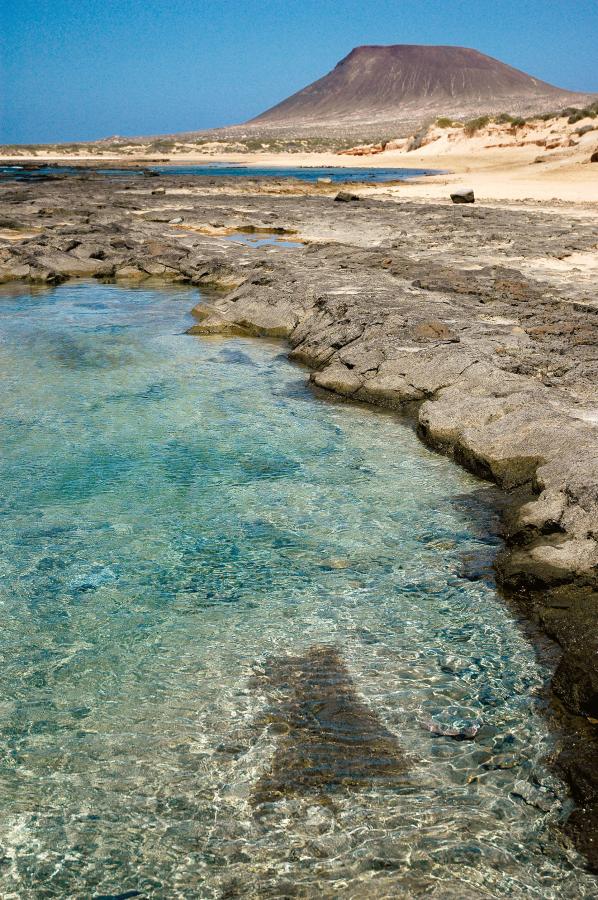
{"x":334,"y":173}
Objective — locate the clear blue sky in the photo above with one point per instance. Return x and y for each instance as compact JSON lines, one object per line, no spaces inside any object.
{"x":84,"y":69}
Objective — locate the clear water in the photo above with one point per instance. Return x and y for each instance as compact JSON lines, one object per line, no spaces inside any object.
{"x":179,"y":516}
{"x":336,"y":174}
{"x":303,"y":173}
{"x":258,"y":240}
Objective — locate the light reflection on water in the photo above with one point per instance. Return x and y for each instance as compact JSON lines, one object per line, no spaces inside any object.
{"x":203,"y":567}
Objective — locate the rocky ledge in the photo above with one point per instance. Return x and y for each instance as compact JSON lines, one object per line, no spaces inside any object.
{"x":482,"y":323}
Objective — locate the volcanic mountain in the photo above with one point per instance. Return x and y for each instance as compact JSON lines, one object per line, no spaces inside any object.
{"x":406,"y":82}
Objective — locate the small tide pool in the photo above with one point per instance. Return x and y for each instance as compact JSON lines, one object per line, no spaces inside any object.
{"x":251,"y":645}
{"x":261,"y":240}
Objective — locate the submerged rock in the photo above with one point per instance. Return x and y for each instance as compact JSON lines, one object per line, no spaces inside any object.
{"x":455,"y":731}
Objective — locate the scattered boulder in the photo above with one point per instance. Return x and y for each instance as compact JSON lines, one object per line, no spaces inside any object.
{"x":66,"y":265}
{"x":152,"y":267}
{"x":176,"y":221}
{"x":346,"y":197}
{"x":65,"y":246}
{"x":14,"y":271}
{"x":465,"y":195}
{"x":88,"y":251}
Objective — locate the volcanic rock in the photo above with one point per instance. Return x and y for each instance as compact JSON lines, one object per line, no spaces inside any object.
{"x":345,"y":197}
{"x":463,"y":196}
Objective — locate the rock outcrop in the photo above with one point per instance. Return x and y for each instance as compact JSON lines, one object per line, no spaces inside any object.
{"x":466,"y":195}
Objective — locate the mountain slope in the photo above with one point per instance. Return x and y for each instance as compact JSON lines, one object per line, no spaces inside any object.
{"x":406,"y":81}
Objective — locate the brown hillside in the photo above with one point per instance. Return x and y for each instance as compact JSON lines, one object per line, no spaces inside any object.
{"x":377,"y":83}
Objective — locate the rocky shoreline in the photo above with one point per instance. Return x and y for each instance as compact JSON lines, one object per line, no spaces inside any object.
{"x":481,"y":322}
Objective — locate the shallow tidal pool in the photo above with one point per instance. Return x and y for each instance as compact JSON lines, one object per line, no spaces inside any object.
{"x":250,"y":644}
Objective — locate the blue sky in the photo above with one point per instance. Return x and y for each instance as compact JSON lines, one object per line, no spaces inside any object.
{"x":85,"y":69}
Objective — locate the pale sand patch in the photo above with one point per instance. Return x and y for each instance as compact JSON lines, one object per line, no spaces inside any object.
{"x":586,"y":262}
{"x":11,"y":235}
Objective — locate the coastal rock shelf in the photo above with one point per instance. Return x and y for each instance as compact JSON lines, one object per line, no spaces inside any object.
{"x":445,"y":312}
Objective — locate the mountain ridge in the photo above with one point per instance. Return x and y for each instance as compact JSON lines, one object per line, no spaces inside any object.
{"x":379,"y":83}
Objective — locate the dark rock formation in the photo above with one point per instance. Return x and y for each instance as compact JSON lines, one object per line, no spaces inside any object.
{"x":463,"y":196}
{"x":346,"y":197}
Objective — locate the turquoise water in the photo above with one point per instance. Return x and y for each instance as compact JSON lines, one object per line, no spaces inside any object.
{"x":303,"y":173}
{"x":251,"y":645}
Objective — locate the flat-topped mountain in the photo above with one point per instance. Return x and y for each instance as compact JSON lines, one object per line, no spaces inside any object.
{"x":406,"y":81}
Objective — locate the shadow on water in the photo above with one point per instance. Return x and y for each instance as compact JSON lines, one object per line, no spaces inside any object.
{"x":234,"y":356}
{"x":329,"y":738}
{"x":85,"y":351}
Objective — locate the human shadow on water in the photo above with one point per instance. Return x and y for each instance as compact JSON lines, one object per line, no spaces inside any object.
{"x":329,"y":738}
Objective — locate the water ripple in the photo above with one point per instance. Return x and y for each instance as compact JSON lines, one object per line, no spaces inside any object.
{"x":251,"y":646}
